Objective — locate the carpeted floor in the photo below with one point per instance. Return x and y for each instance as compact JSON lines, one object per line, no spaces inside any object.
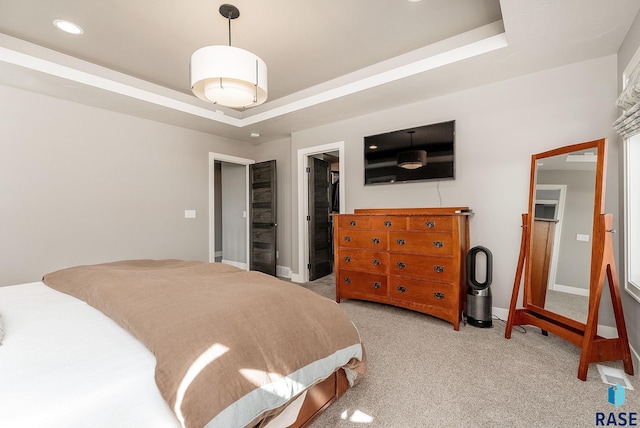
{"x":422,"y":373}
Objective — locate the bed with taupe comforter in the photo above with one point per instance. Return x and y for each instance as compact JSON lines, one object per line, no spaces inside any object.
{"x":232,"y":347}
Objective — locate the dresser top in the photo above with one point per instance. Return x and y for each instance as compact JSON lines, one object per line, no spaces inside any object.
{"x":455,"y":211}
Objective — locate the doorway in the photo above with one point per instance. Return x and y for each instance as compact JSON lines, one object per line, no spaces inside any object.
{"x":229,"y":208}
{"x":307,"y":248}
{"x":549,"y":204}
{"x":242,"y":207}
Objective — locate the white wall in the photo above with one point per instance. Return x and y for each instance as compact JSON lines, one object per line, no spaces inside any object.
{"x":498,"y":128}
{"x":82,"y":185}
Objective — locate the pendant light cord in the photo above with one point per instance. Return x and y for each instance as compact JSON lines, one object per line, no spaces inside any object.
{"x":229,"y":28}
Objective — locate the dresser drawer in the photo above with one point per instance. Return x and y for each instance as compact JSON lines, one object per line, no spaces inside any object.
{"x":364,"y":260}
{"x":372,"y":239}
{"x":352,"y":282}
{"x":438,"y":244}
{"x":431,"y":223}
{"x":389,"y":223}
{"x":354,"y":221}
{"x":411,"y":258}
{"x":422,"y":266}
{"x":433,"y":294}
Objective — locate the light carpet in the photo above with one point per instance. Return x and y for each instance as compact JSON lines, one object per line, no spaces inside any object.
{"x":422,"y":373}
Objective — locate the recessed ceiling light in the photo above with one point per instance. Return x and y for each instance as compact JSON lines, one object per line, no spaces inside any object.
{"x":68,"y":26}
{"x":414,"y":1}
{"x":255,"y":135}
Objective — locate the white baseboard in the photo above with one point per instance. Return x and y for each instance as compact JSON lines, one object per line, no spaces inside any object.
{"x":500,"y":313}
{"x":241,"y":265}
{"x":635,"y":357}
{"x":296,"y":277}
{"x":571,"y":290}
{"x":607,"y":332}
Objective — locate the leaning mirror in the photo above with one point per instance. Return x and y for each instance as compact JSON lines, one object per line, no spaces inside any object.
{"x":563,"y":204}
{"x":566,"y":253}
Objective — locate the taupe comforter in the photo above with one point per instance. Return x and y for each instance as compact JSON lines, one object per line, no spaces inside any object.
{"x":230,"y":345}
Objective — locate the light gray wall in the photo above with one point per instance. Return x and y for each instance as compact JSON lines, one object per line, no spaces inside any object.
{"x":82,"y":185}
{"x":631,"y":306}
{"x":498,"y":128}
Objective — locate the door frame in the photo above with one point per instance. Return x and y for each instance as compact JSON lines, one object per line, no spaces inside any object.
{"x":303,"y":201}
{"x":555,"y":252}
{"x":213,"y":157}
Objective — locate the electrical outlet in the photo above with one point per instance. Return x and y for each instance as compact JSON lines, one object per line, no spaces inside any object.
{"x":189,"y":213}
{"x":581,"y":237}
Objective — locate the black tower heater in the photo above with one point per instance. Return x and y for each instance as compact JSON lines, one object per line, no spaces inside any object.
{"x":479,"y":294}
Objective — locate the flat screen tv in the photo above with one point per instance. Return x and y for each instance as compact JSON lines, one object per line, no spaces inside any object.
{"x":414,"y":154}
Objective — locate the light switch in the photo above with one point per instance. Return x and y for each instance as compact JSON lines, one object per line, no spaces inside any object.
{"x":189,"y":213}
{"x":581,"y":237}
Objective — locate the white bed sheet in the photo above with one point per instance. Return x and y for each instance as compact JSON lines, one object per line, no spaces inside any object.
{"x":65,"y":364}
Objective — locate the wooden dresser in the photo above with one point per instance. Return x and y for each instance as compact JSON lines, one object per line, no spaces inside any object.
{"x":413,"y":258}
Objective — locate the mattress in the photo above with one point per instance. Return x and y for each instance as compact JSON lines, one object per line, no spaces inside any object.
{"x":65,"y":364}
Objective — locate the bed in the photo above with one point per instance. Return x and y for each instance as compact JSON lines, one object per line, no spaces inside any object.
{"x":170,"y":343}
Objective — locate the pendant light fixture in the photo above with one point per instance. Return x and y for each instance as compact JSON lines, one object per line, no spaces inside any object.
{"x":226,"y":75}
{"x":412,"y":159}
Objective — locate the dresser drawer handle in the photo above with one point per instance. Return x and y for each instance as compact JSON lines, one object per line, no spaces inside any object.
{"x":438,"y":244}
{"x":438,"y":295}
{"x":347,"y":259}
{"x":377,"y":285}
{"x":347,"y":280}
{"x":375,"y":240}
{"x":401,"y":265}
{"x":400,"y":242}
{"x":430,"y":224}
{"x":438,"y":268}
{"x":387,"y":223}
{"x":375,"y":262}
{"x":347,"y":238}
{"x":352,"y":223}
{"x":401,"y":289}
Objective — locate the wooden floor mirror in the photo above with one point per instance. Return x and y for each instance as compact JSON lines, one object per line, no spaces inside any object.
{"x":566,"y":252}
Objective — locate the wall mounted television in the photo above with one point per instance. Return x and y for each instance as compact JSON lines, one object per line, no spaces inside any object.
{"x":382,"y":153}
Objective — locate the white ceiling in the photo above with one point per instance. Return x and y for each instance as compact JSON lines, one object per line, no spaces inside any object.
{"x":327,"y":61}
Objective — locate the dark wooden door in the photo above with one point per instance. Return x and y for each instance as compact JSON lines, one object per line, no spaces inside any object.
{"x":262,"y":185}
{"x":320,"y":255}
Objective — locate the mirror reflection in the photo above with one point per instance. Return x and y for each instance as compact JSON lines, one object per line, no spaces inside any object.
{"x":562,"y":228}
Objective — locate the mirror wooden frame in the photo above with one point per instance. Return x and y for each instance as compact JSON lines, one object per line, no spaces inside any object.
{"x":594,"y":348}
